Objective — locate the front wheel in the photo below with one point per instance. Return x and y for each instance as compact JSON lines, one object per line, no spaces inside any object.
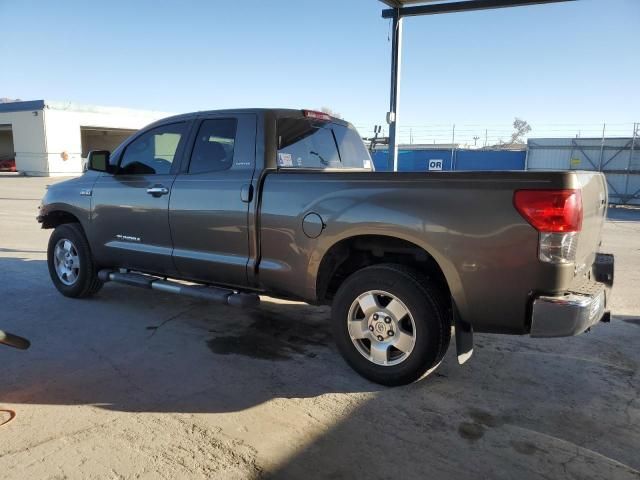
{"x":390,"y":324}
{"x":70,"y":262}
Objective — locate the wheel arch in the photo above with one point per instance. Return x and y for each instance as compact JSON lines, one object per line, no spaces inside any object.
{"x":355,"y":252}
{"x":56,"y":218}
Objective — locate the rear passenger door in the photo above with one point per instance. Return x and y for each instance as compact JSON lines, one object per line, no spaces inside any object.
{"x":210,"y":201}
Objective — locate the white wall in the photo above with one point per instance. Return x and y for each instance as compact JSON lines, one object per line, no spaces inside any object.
{"x":41,"y":136}
{"x":62,"y":128}
{"x":28,"y":140}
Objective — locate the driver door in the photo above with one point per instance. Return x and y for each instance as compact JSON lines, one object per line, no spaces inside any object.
{"x":130,"y":210}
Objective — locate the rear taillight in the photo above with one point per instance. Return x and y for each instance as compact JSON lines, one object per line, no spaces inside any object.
{"x":557,"y":215}
{"x":550,"y":210}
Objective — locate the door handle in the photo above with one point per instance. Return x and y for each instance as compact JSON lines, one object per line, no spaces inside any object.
{"x":157,"y":190}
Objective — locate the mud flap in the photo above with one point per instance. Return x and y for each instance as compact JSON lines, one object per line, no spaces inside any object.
{"x":464,"y":337}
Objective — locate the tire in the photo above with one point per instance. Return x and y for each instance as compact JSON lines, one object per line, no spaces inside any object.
{"x":376,"y":298}
{"x":78,"y":277}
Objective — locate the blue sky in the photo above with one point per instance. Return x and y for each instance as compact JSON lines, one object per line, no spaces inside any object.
{"x":564,"y":64}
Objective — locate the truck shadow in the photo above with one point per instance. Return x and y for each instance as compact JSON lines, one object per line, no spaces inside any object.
{"x":129,"y":349}
{"x":136,"y":350}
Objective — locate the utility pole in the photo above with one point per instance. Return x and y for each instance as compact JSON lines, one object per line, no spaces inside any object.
{"x":486,"y":136}
{"x":475,"y":140}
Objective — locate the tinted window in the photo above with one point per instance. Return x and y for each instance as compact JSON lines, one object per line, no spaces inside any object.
{"x":352,"y":151}
{"x":153,"y":152}
{"x":312,"y":144}
{"x":213,"y":150}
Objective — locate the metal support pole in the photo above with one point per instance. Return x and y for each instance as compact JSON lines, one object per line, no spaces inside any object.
{"x":570,"y":164}
{"x":604,"y":126}
{"x":626,"y":195}
{"x":453,"y":147}
{"x":461,"y":6}
{"x":394,"y":101}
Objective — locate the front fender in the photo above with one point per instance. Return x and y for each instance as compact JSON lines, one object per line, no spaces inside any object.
{"x":66,"y":200}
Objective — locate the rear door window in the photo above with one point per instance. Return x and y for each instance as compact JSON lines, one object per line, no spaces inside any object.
{"x":214,"y":146}
{"x":308,"y":143}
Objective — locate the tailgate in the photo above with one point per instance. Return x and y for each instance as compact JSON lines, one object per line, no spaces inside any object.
{"x":594,"y":208}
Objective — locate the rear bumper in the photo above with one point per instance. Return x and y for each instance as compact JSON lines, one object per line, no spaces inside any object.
{"x":576,"y":310}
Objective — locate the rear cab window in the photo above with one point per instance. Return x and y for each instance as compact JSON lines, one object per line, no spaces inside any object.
{"x":317,"y":144}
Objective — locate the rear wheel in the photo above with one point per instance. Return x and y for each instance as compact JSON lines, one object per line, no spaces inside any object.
{"x":390,"y":324}
{"x":70,"y":262}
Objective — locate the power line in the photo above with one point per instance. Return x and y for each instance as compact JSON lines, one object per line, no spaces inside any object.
{"x":492,"y":133}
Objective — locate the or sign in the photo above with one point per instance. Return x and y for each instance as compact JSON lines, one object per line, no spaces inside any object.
{"x":575,"y":162}
{"x":435,"y":164}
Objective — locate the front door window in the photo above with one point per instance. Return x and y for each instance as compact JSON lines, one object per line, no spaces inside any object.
{"x":153,"y":152}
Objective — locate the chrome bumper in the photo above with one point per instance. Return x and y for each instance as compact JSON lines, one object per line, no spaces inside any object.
{"x":567,"y":315}
{"x":578,"y":309}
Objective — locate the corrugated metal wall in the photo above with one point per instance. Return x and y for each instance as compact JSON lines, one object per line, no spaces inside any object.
{"x":420,"y":160}
{"x":618,"y":158}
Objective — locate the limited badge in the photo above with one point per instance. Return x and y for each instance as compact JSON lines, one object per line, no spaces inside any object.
{"x":284,"y":160}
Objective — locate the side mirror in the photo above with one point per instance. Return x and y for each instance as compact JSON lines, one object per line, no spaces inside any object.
{"x":98,"y":161}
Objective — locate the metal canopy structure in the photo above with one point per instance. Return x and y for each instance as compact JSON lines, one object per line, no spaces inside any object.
{"x":411,"y":8}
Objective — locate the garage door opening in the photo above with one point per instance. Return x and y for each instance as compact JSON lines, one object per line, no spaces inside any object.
{"x":7,"y":150}
{"x":96,"y":138}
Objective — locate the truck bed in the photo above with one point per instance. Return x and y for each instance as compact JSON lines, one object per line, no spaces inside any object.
{"x":465,"y":221}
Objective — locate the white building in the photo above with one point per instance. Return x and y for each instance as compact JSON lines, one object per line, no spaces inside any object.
{"x":53,"y":138}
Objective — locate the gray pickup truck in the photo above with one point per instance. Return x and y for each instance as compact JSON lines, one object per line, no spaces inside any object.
{"x":228,"y":205}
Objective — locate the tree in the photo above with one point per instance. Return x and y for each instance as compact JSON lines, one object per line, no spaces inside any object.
{"x":521,"y":128}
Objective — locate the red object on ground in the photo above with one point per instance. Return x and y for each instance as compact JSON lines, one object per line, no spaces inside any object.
{"x":8,"y":165}
{"x":9,"y":414}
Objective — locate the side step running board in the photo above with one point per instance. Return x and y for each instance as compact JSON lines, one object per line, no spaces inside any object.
{"x":212,"y":294}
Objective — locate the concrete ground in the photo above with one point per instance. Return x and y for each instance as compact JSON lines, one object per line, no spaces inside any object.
{"x":137,"y":384}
